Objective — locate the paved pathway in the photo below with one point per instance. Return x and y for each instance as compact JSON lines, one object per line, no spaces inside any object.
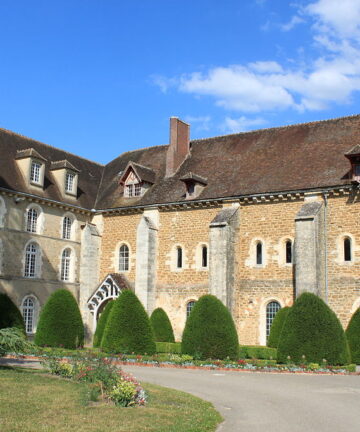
{"x":260,"y":402}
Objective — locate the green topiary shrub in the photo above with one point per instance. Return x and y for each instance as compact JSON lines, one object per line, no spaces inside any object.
{"x":128,"y":328}
{"x":276,"y":327}
{"x":60,"y":323}
{"x":161,"y":325}
{"x":353,"y":337}
{"x":257,"y":352}
{"x":312,"y":329}
{"x":102,"y":324}
{"x":168,"y":347}
{"x":210,"y":331}
{"x":10,"y":316}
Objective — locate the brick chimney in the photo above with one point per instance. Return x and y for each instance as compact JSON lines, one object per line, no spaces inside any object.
{"x":178,"y":145}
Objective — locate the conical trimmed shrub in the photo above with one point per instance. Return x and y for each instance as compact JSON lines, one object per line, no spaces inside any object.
{"x":128,"y":328}
{"x":102,"y":324}
{"x":312,"y":329}
{"x":210,"y":331}
{"x":353,"y":337}
{"x":10,"y":316}
{"x":161,"y":325}
{"x":276,"y":327}
{"x":60,"y":323}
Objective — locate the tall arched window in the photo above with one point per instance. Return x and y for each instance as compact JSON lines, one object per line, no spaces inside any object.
{"x":66,"y":228}
{"x":124,"y":258}
{"x":347,"y":249}
{"x":179,"y":258}
{"x":32,"y":220}
{"x":271,"y":310}
{"x":204,"y":256}
{"x":31,"y":257}
{"x":28,"y":312}
{"x":288,"y":252}
{"x":65,"y":265}
{"x":259,"y":253}
{"x":189,"y":307}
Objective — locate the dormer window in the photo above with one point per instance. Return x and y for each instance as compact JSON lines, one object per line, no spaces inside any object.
{"x":194,"y":184}
{"x":354,"y":157}
{"x":136,"y":180}
{"x":32,"y":166}
{"x":66,"y":176}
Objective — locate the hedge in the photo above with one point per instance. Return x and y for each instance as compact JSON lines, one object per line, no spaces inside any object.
{"x":161,"y":325}
{"x":257,"y":352}
{"x":353,"y":336}
{"x":128,"y":328}
{"x":210,"y":331}
{"x":168,"y":348}
{"x":312,"y":330}
{"x":10,"y":316}
{"x":60,"y":323}
{"x":276,"y":327}
{"x":102,"y":323}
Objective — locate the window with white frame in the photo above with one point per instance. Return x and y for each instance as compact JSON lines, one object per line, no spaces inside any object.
{"x":32,"y":220}
{"x":272,"y":309}
{"x":29,"y":314}
{"x":35,"y":172}
{"x":66,"y":228}
{"x":133,"y":190}
{"x":69,"y":182}
{"x":65,"y":265}
{"x":31,"y":257}
{"x":189,"y":307}
{"x":124,"y":258}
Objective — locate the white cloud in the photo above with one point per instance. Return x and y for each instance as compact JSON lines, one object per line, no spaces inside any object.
{"x":202,"y":123}
{"x":241,"y":124}
{"x":295,"y":20}
{"x":330,"y":78}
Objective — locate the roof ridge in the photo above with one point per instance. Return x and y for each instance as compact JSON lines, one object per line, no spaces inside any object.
{"x":141,"y":166}
{"x":50,"y":146}
{"x":277,"y":128}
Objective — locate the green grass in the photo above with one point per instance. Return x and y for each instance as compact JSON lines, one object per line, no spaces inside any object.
{"x":33,"y":402}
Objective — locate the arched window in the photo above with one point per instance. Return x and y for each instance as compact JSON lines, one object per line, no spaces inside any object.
{"x":271,"y":310}
{"x":66,"y":228}
{"x":259,"y":253}
{"x":32,"y":220}
{"x":204,"y":256}
{"x":65,"y":265}
{"x":288,"y":252}
{"x":179,"y":259}
{"x":124,"y":258}
{"x":28,"y":312}
{"x":189,"y":307}
{"x":31,"y":257}
{"x":347,"y":249}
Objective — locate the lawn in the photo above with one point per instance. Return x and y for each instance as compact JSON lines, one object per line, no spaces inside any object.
{"x":34,"y":402}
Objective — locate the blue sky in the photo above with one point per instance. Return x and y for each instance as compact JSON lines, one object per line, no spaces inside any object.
{"x":100,"y":77}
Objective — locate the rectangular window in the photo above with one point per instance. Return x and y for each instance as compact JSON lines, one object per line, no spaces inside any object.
{"x":35,"y":172}
{"x":69,"y":182}
{"x":137,"y":189}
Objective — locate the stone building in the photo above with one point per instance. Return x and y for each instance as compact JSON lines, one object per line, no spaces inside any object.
{"x":254,"y":218}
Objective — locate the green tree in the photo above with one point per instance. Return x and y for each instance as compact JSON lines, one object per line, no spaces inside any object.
{"x":276,"y":327}
{"x":60,"y":323}
{"x":353,"y":336}
{"x":102,"y":323}
{"x":128,"y":328}
{"x":210,"y":331}
{"x":161,"y":325}
{"x":10,"y":316}
{"x":312,"y":330}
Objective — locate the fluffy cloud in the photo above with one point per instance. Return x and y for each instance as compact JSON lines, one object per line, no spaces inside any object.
{"x":241,"y":124}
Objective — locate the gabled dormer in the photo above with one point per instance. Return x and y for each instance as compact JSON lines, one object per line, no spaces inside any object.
{"x":354,"y":157}
{"x":194,"y":184}
{"x":136,"y":180}
{"x":32,"y":166}
{"x":66,"y":176}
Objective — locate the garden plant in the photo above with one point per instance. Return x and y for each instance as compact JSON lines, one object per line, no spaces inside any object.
{"x":161,"y":325}
{"x":101,"y":324}
{"x":276,"y":327}
{"x":353,"y":336}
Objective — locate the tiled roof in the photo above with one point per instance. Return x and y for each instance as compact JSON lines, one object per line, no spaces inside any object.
{"x":63,"y":164}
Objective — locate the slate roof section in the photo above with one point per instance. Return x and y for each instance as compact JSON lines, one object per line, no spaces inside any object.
{"x":121,"y":281}
{"x":196,"y":178}
{"x":30,"y":152}
{"x":12,"y":179}
{"x":143,"y":173}
{"x":64,"y":164}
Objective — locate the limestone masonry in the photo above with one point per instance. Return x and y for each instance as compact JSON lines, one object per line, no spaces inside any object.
{"x":254,"y":218}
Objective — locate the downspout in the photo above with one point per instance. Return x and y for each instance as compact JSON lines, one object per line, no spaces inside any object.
{"x":325,"y":246}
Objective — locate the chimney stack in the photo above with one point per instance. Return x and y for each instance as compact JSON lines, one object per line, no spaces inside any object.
{"x":178,"y":145}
